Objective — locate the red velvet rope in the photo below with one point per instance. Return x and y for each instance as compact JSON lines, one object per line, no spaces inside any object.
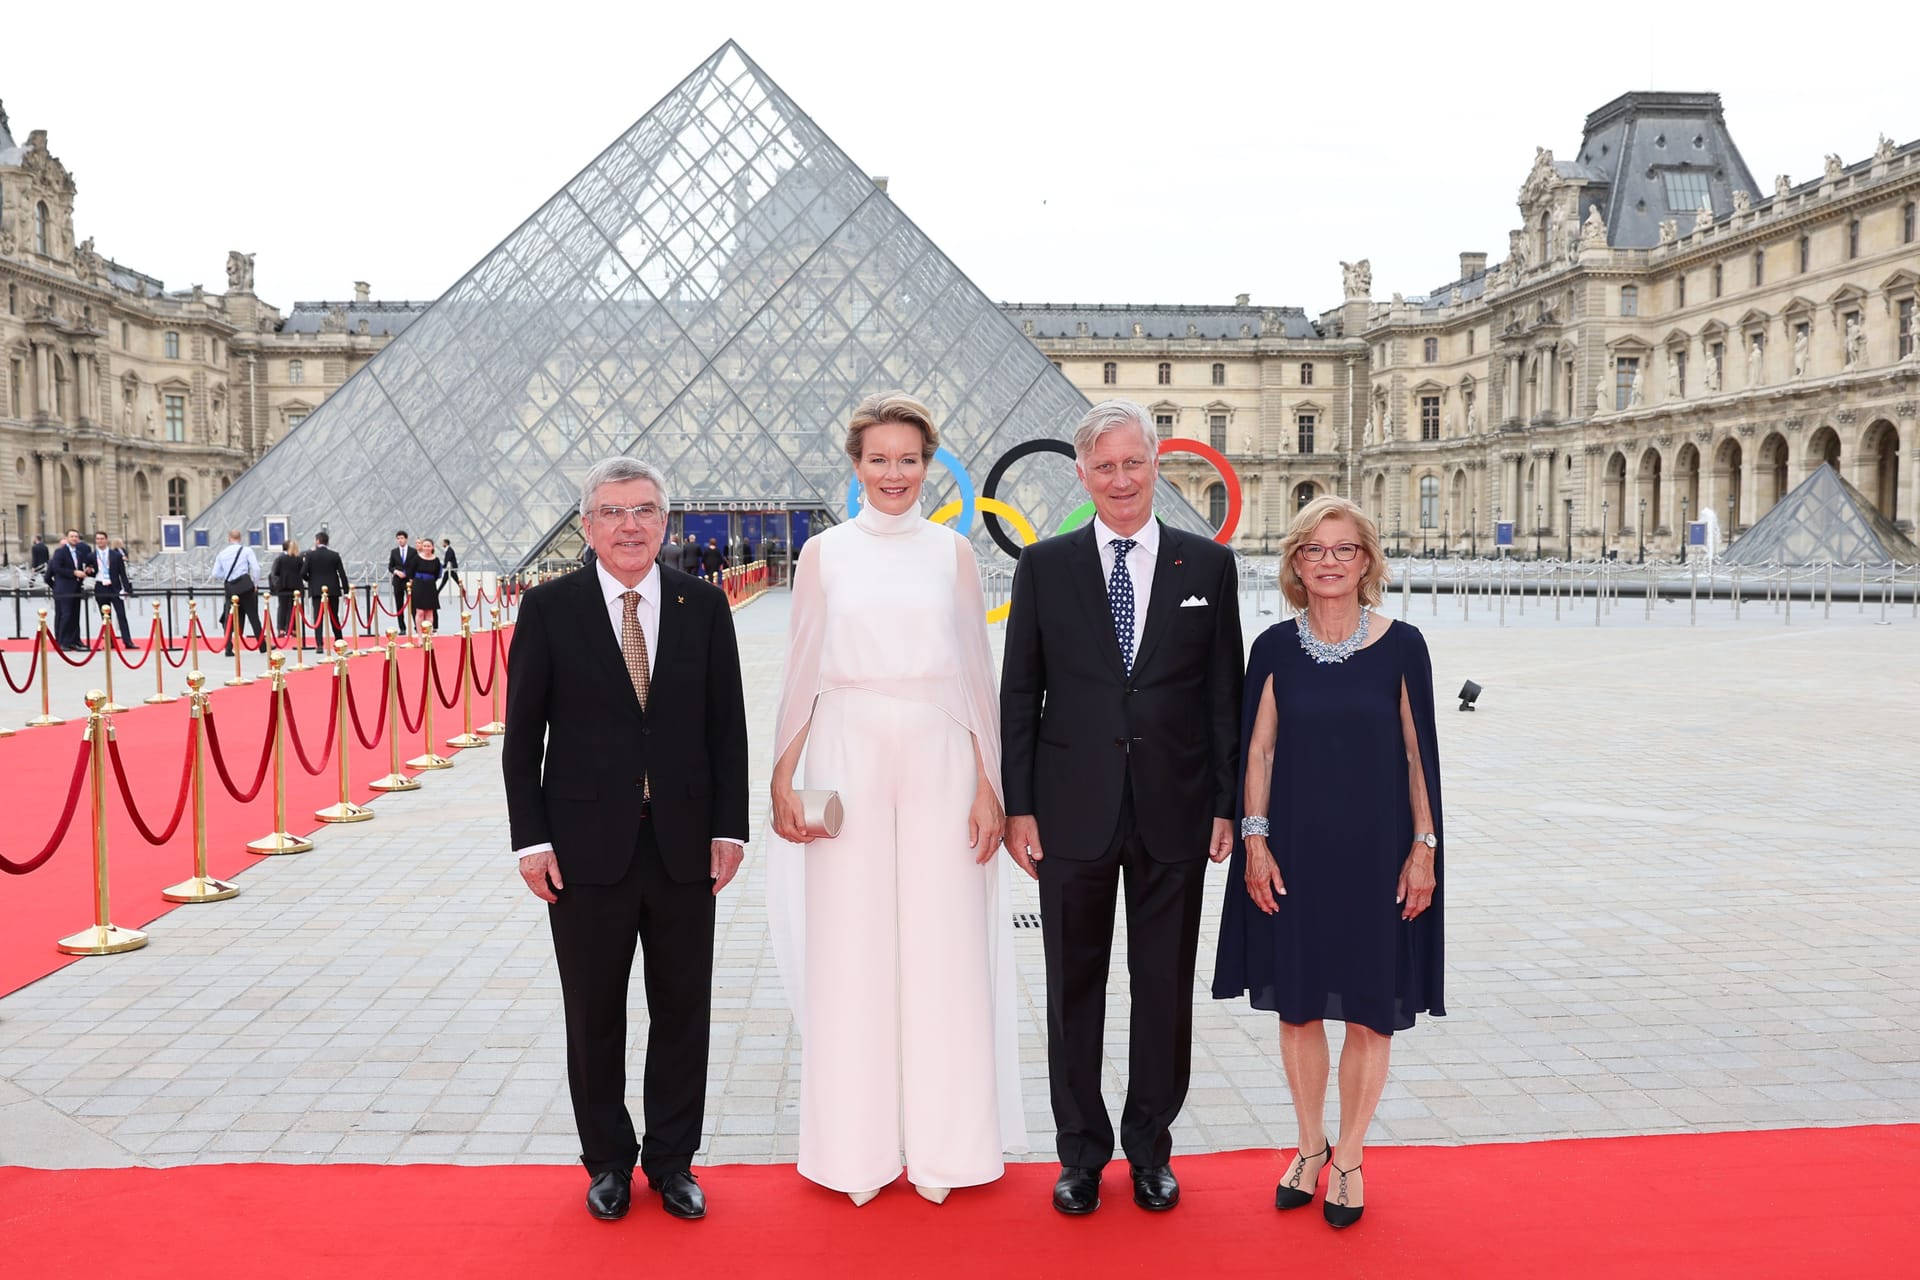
{"x":34,"y":863}
{"x":266,"y":754}
{"x":293,"y":732}
{"x":493,"y":661}
{"x":33,"y":669}
{"x":413,"y":725}
{"x":146,"y":654}
{"x":79,"y":662}
{"x":379,"y":725}
{"x":441,"y":689}
{"x":180,"y":802}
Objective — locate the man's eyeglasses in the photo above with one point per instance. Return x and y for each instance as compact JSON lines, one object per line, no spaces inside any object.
{"x":645,"y":513}
{"x":1314,"y":552}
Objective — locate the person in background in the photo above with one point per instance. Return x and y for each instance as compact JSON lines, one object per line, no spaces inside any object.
{"x":237,"y":570}
{"x":452,"y":570}
{"x":325,"y":572}
{"x":112,"y":587}
{"x":397,"y":578}
{"x":712,"y":560}
{"x":41,"y":554}
{"x":70,"y":572}
{"x":284,"y":579}
{"x":424,"y":571}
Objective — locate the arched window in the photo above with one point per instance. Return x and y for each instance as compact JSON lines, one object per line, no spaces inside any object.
{"x":1109,"y":373}
{"x":40,"y":228}
{"x":1216,"y":504}
{"x":1302,"y":496}
{"x":296,"y":371}
{"x":1306,"y":373}
{"x":1164,"y":375}
{"x":177,"y":496}
{"x":1219,"y":375}
{"x":1429,"y":502}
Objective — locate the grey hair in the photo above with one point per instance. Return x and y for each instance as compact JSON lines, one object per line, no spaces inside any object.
{"x":1111,"y":415}
{"x":617,"y":471}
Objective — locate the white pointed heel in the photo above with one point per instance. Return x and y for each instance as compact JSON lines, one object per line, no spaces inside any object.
{"x":933,"y":1195}
{"x":861,"y":1197}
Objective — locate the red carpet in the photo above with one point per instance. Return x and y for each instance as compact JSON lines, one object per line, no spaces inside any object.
{"x":1690,"y":1205}
{"x":56,"y":900}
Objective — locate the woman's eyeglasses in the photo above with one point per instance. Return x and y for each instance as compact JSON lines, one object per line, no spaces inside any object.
{"x":1314,"y":552}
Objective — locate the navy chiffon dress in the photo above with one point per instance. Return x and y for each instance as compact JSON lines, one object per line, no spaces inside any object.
{"x":1341,"y":827}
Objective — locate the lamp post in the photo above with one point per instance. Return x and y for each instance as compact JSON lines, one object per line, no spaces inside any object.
{"x":1446,"y":531}
{"x":1473,"y":530}
{"x":1605,"y":505}
{"x":1643,"y":532}
{"x":1686,"y":528}
{"x":1539,"y":521}
{"x":1568,"y":526}
{"x":1731,"y":498}
{"x":6,"y":543}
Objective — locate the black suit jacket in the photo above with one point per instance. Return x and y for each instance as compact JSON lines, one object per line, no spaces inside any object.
{"x":324,"y":569}
{"x":397,"y":562}
{"x":117,"y":572}
{"x":67,"y":568}
{"x":1077,"y":733}
{"x":577,"y":744}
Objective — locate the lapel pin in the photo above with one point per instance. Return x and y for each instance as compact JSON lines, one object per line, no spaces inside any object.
{"x":1178,"y":563}
{"x":680,"y":599}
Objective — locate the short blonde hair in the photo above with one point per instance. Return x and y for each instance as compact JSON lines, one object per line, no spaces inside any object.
{"x":1372,"y":583}
{"x":892,"y":406}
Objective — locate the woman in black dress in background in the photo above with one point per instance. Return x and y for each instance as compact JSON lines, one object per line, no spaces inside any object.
{"x":1340,"y":856}
{"x":424,"y":571}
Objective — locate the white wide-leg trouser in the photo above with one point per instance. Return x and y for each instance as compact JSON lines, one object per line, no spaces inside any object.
{"x":898,"y":1050}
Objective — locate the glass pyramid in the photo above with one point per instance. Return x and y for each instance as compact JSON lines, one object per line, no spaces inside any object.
{"x":713,"y":293}
{"x":1824,"y":520}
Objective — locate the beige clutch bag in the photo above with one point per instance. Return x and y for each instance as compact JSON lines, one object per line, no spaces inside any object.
{"x":822,"y":811}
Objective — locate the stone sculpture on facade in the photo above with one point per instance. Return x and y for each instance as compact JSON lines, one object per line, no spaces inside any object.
{"x":1834,"y":166}
{"x":1669,"y":230}
{"x":1635,"y":396}
{"x":239,"y":271}
{"x":1883,"y":151}
{"x":1713,"y":374}
{"x":1593,"y":232}
{"x":1356,"y":278}
{"x":1782,"y":186}
{"x":1756,"y":363}
{"x":1800,"y":346}
{"x":1856,"y":341}
{"x":1704,"y":217}
{"x":1673,"y":375}
{"x":1742,"y":201}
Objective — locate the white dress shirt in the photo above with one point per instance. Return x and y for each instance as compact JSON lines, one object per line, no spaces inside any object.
{"x":1140,"y":564}
{"x":237,"y":556}
{"x":649,"y":610}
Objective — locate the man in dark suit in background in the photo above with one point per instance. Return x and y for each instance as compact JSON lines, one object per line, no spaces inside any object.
{"x":625,"y":764}
{"x":670,"y":557}
{"x":397,"y":576}
{"x":324,"y":571}
{"x":41,"y":554}
{"x":1120,"y":731}
{"x":712,"y":560}
{"x":114,"y":586}
{"x":70,"y":571}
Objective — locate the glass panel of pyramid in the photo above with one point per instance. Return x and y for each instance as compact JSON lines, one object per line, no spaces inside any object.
{"x":714,"y":293}
{"x":1825,"y":520}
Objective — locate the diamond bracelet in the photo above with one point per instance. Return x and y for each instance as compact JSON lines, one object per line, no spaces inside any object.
{"x":1253,"y":826}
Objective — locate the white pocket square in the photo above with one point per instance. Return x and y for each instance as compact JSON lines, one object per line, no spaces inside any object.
{"x":1193,"y":602}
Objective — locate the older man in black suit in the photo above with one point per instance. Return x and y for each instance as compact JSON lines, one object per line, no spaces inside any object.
{"x":1120,"y":728}
{"x":70,"y":571}
{"x":324,"y":571}
{"x":626,"y":775}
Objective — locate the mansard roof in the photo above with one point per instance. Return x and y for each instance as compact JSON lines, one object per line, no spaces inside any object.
{"x":1116,"y":320}
{"x":1653,"y":153}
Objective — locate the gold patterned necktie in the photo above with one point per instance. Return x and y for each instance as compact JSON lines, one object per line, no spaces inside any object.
{"x":633,"y":646}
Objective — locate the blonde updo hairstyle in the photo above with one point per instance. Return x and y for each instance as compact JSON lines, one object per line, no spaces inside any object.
{"x":891,"y":406}
{"x":1373,"y":582}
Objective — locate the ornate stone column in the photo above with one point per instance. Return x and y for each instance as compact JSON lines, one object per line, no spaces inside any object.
{"x":89,"y":484}
{"x":42,"y":379}
{"x":49,"y":503}
{"x":1749,"y":478}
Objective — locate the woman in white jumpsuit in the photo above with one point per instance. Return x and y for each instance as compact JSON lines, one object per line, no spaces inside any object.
{"x":893,"y":937}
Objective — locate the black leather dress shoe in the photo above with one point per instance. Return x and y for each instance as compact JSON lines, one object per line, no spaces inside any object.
{"x":1155,"y":1188}
{"x":609,"y":1194}
{"x":1077,"y":1190}
{"x":680,"y":1194}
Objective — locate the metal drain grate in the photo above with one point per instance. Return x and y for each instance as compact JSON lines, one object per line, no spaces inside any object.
{"x":1025,"y":920}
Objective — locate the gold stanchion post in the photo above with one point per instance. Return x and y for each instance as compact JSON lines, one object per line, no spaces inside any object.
{"x":299,"y":662}
{"x":193,"y":637}
{"x":112,"y":708}
{"x":428,"y":759}
{"x":466,"y":737}
{"x":200,"y":887}
{"x":159,"y":694}
{"x":395,"y":780}
{"x":495,"y":725}
{"x":345,"y":810}
{"x":279,"y":840}
{"x":102,"y":938}
{"x":238,"y":640}
{"x":46,"y":716}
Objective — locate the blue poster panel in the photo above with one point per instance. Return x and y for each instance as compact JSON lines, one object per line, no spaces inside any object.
{"x":1503,"y":533}
{"x":173,"y":535}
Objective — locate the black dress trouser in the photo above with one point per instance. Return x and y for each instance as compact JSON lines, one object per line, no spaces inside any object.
{"x":595,"y":928}
{"x":400,"y":605}
{"x":325,"y":620}
{"x":1163,"y":933}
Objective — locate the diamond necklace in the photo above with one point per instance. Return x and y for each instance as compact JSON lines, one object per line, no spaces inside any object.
{"x":1338,"y":651}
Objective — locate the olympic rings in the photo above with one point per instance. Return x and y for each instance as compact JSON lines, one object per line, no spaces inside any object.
{"x":991,"y":507}
{"x":955,"y":468}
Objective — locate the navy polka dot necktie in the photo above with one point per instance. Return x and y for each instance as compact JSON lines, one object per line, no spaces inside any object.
{"x":1120,"y":597}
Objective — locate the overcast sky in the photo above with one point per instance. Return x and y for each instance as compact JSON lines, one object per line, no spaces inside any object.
{"x":1168,"y":153}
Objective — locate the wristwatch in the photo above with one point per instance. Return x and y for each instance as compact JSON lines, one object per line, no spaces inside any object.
{"x":1428,"y":839}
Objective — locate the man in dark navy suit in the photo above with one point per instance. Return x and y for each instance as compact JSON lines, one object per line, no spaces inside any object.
{"x":70,"y":571}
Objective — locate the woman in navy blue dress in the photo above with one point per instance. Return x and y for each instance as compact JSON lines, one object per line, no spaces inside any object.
{"x":1333,"y":910}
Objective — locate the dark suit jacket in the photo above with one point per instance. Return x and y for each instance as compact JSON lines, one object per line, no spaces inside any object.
{"x":577,"y":744}
{"x":117,"y":572}
{"x":712,"y":559}
{"x":397,"y":561}
{"x":66,"y":568}
{"x":41,"y":554}
{"x":670,"y":556}
{"x":324,"y":569}
{"x":288,"y":572}
{"x":1077,"y":733}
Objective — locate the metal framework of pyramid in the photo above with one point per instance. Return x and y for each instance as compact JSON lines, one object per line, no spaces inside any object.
{"x":713,"y":293}
{"x":1825,"y":520}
